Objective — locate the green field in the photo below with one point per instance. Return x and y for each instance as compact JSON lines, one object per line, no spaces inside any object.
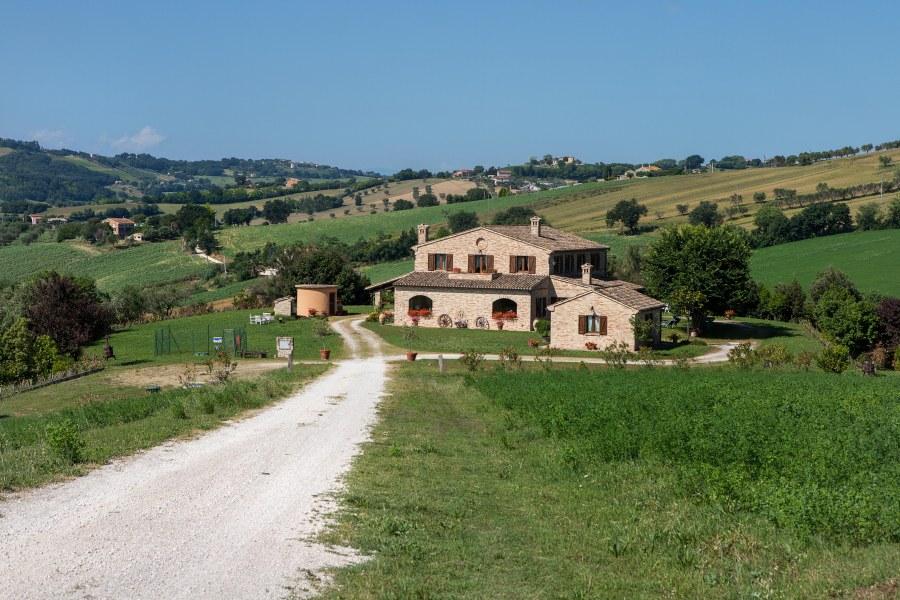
{"x":590,"y":484}
{"x":364,"y":226}
{"x":389,"y":270}
{"x":112,"y":269}
{"x":870,"y":258}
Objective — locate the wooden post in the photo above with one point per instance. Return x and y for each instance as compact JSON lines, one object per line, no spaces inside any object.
{"x":441,"y":363}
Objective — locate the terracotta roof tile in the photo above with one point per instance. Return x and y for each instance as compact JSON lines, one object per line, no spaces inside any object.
{"x":631,"y":298}
{"x":550,"y":238}
{"x":441,"y":279}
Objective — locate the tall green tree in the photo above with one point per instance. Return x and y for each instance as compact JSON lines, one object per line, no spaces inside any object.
{"x":627,"y":212}
{"x":711,"y":266}
{"x":706,"y":213}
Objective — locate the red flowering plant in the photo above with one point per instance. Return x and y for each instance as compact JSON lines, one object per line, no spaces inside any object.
{"x":508,"y":315}
{"x":419,"y":312}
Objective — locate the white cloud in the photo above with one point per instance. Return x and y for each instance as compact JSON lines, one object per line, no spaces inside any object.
{"x":50,"y":138}
{"x":144,"y":139}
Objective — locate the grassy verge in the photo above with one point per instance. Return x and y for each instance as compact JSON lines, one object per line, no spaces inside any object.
{"x":67,"y":442}
{"x":430,"y":339}
{"x":464,"y":493}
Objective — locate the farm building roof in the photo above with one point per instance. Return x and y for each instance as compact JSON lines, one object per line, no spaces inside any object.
{"x":622,"y":294}
{"x":550,"y":238}
{"x":441,"y":279}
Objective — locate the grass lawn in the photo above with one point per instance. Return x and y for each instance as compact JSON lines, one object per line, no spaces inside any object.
{"x":870,"y":258}
{"x":465,"y":492}
{"x":136,"y":345}
{"x":433,"y":339}
{"x":225,"y":292}
{"x":99,"y":425}
{"x":387,"y":270}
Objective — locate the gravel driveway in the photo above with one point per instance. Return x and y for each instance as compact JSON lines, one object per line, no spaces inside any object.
{"x":226,"y":515}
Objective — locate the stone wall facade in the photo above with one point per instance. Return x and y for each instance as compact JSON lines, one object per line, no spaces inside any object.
{"x":464,"y":304}
{"x":564,"y":323}
{"x":494,"y":244}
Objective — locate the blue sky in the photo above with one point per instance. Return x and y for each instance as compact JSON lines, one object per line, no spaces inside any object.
{"x":386,"y":85}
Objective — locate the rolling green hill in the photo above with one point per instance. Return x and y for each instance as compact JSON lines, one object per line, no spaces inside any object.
{"x":583,"y":208}
{"x":112,"y":269}
{"x":870,"y":258}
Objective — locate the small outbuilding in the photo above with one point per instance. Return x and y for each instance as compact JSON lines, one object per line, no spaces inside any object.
{"x":602,"y":317}
{"x":317,"y":299}
{"x":285,"y":307}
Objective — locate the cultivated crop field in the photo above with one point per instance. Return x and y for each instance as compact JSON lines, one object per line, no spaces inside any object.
{"x":645,"y":483}
{"x":364,"y":226}
{"x":584,"y":208}
{"x":870,"y":258}
{"x":112,"y":269}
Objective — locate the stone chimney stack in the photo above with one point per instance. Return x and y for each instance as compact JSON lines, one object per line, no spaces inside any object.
{"x":586,"y":273}
{"x":423,"y":233}
{"x":536,"y":226}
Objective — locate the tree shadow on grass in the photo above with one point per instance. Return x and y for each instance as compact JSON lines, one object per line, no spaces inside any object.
{"x":131,"y":363}
{"x":736,"y":330}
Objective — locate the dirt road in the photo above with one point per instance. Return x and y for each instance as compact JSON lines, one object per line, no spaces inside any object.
{"x":227,"y":515}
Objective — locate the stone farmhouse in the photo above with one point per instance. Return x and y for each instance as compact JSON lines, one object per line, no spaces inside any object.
{"x":508,"y":276}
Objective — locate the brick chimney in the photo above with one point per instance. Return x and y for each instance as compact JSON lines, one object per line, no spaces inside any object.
{"x":536,"y":226}
{"x":423,"y":233}
{"x":586,"y":273}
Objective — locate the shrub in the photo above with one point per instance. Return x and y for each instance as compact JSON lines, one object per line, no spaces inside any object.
{"x":774,"y":355}
{"x":510,"y":357}
{"x":590,"y":346}
{"x":804,"y":359}
{"x":834,"y":358}
{"x":542,"y":327}
{"x":534,"y":342}
{"x":674,"y":337}
{"x":372,"y":317}
{"x":207,"y":405}
{"x":65,"y":441}
{"x":472,"y":359}
{"x":742,"y":355}
{"x":616,"y":355}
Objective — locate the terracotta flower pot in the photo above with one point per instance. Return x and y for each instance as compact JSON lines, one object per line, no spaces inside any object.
{"x":411,"y":356}
{"x":499,"y":324}
{"x":324,"y":354}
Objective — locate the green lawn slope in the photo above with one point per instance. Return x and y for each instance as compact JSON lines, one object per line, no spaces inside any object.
{"x":870,"y":258}
{"x":112,"y":269}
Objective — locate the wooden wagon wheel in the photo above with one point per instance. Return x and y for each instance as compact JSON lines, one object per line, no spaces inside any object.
{"x":482,"y":323}
{"x":445,"y":321}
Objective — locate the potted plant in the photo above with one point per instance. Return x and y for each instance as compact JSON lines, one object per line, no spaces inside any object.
{"x":322,"y":330}
{"x":410,"y":336}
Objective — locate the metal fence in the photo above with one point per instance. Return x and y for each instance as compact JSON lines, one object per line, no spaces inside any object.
{"x":200,"y":341}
